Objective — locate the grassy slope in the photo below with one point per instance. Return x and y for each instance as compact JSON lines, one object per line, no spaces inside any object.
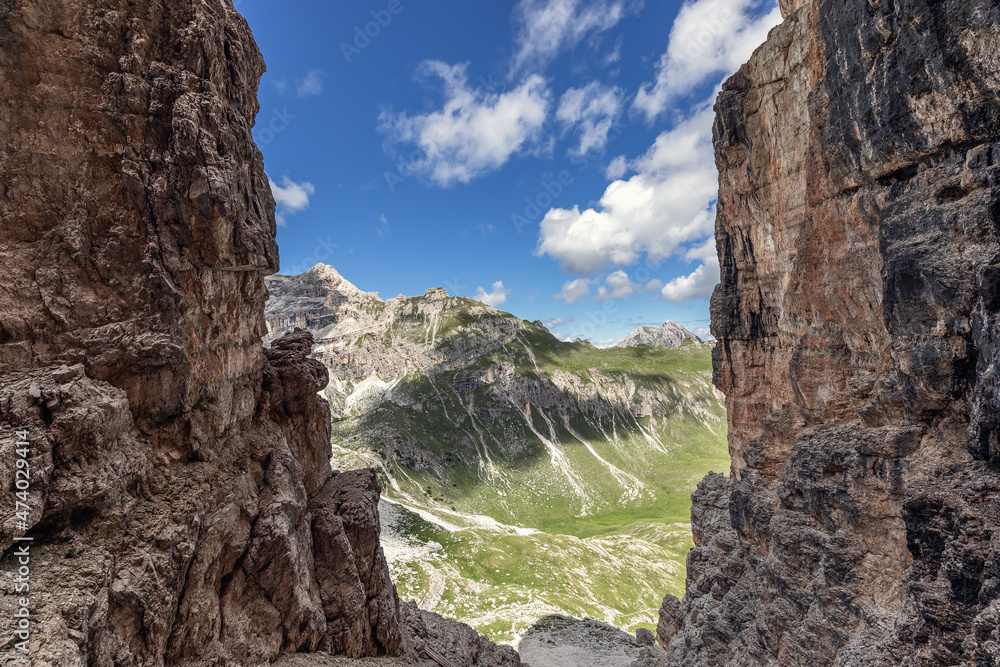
{"x":612,"y":534}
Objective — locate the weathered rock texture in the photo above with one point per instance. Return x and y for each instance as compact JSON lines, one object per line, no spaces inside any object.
{"x":182,"y":502}
{"x":859,"y":337}
{"x":456,"y":642}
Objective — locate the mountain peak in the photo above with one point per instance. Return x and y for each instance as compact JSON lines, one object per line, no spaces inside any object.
{"x":324,"y":268}
{"x":669,"y":335}
{"x":437,"y":293}
{"x":332,"y":279}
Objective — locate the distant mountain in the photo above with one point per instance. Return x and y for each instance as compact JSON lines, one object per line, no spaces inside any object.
{"x":525,"y":475}
{"x":669,"y":335}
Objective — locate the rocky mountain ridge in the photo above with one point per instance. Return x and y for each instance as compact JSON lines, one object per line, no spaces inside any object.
{"x":669,"y":334}
{"x":181,"y":508}
{"x":489,"y":430}
{"x":857,"y":322}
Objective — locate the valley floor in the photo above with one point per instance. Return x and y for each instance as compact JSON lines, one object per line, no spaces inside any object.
{"x":503,"y":580}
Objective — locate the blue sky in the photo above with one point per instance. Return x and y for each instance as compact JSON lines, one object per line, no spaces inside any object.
{"x":550,"y":157}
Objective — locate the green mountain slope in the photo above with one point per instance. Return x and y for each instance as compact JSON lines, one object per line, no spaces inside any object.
{"x":524,"y":476}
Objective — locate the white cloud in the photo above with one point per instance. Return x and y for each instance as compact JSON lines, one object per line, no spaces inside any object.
{"x":704,"y":333}
{"x":617,"y":286}
{"x":606,"y":343}
{"x":546,"y":27}
{"x":664,"y":206}
{"x":706,"y":251}
{"x":591,"y":112}
{"x":616,"y":54}
{"x":496,"y":298}
{"x":709,"y":38}
{"x":281,"y":85}
{"x":311,"y":84}
{"x":290,"y":197}
{"x":474,"y":132}
{"x":574,"y":291}
{"x":616,"y":168}
{"x":701,"y":282}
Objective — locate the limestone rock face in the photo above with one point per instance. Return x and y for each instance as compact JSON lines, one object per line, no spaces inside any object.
{"x":182,"y":505}
{"x":858,"y":322}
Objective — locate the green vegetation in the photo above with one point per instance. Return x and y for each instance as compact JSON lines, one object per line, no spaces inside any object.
{"x":558,"y":476}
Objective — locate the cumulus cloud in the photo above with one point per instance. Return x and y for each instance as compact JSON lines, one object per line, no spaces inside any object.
{"x":616,"y":168}
{"x":709,"y":39}
{"x":574,"y":291}
{"x":311,"y":84}
{"x":474,"y":132}
{"x":546,"y":27}
{"x":497,"y":297}
{"x":617,"y":286}
{"x":701,"y":282}
{"x":696,"y":285}
{"x":662,"y":207}
{"x":590,"y":112}
{"x":290,"y":197}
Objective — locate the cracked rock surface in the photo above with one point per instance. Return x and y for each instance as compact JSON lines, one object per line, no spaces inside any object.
{"x":858,"y":322}
{"x":183,"y":508}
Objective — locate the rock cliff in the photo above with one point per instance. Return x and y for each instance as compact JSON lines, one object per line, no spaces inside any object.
{"x":858,"y":322}
{"x":182,"y":505}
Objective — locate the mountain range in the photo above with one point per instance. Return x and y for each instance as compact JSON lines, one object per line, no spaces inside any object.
{"x":523,"y":475}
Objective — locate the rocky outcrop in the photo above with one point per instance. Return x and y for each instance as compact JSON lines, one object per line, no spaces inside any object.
{"x":456,"y":642}
{"x":669,"y":335}
{"x":858,"y":320}
{"x":182,"y":505}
